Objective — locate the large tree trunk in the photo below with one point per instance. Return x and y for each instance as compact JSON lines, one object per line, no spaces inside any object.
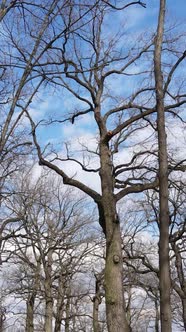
{"x":164,"y":264}
{"x":114,"y":293}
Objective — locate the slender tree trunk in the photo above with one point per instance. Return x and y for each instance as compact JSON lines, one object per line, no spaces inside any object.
{"x":48,"y":312}
{"x":181,"y":278}
{"x":128,"y":307}
{"x":96,"y":303}
{"x":96,"y":327}
{"x":157,"y":318}
{"x":30,"y":313}
{"x":31,"y":301}
{"x":114,"y":293}
{"x":164,"y":263}
{"x":67,"y":320}
{"x":184,"y":312}
{"x":59,"y":305}
{"x":48,"y":294}
{"x":2,"y":318}
{"x":59,"y":315}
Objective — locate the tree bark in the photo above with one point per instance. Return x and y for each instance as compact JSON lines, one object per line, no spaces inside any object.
{"x":67,"y":310}
{"x":182,"y":281}
{"x":30,"y":314}
{"x":164,"y":263}
{"x":59,"y":305}
{"x":48,"y":294}
{"x":157,"y":316}
{"x":31,"y":301}
{"x":184,"y":311}
{"x":96,"y":303}
{"x":2,"y":318}
{"x":114,"y":292}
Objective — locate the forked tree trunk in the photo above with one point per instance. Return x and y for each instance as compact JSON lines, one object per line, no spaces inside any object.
{"x":114,"y":293}
{"x":164,"y":263}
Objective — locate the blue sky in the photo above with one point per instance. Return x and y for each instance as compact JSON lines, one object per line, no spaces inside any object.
{"x":137,"y":22}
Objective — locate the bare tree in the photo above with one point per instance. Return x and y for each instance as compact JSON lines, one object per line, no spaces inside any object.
{"x":141,"y":270}
{"x":79,"y":81}
{"x":93,"y":82}
{"x":164,"y":220}
{"x":5,"y":7}
{"x":74,"y":52}
{"x":49,"y":253}
{"x":164,"y":263}
{"x":177,"y":243}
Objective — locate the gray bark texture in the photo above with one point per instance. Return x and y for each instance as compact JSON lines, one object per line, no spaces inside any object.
{"x":96,"y":303}
{"x":59,"y":306}
{"x":67,"y":310}
{"x":114,"y":293}
{"x":48,"y":294}
{"x":164,"y":263}
{"x":30,"y":314}
{"x":181,"y":288}
{"x":31,"y":301}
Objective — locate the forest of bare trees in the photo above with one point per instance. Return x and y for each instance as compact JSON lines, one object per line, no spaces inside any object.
{"x":92,"y":166}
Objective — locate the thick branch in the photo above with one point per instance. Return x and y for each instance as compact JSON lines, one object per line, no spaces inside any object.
{"x":136,"y":189}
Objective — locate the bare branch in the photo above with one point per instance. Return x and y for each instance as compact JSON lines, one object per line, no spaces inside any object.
{"x":66,"y":179}
{"x":143,"y":4}
{"x":173,"y":69}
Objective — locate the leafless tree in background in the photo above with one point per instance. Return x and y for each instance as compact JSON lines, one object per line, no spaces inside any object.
{"x":51,"y":253}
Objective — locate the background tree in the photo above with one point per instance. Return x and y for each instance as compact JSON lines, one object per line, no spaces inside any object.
{"x":51,"y":254}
